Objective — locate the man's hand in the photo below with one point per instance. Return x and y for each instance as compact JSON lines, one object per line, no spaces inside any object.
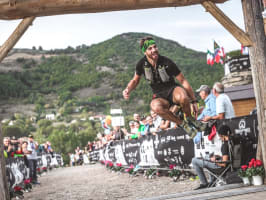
{"x":194,"y":109}
{"x":126,"y":93}
{"x":206,"y":118}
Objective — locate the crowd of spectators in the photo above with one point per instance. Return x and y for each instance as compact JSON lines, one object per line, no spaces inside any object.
{"x":27,"y":148}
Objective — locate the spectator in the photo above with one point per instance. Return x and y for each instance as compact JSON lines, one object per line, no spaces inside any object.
{"x":118,"y":134}
{"x":32,"y":158}
{"x":8,"y":148}
{"x":224,"y":107}
{"x":136,"y":117}
{"x":149,"y":127}
{"x":72,"y":159}
{"x":129,"y":133}
{"x":136,"y":131}
{"x":198,"y":163}
{"x":165,"y":124}
{"x":209,"y":100}
{"x":156,"y":120}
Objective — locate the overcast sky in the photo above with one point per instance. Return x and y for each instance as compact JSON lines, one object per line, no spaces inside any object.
{"x":190,"y":26}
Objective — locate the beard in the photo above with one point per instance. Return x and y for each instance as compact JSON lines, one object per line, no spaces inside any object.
{"x":154,"y":55}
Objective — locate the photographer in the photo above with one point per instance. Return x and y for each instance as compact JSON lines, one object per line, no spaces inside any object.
{"x":32,"y":158}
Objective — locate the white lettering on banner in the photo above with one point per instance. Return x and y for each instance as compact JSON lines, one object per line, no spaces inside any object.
{"x":169,"y":151}
{"x":181,"y":137}
{"x":182,"y":150}
{"x":130,"y":145}
{"x":147,"y":154}
{"x":162,"y":140}
{"x":156,"y":142}
{"x":242,"y":128}
{"x":119,"y":155}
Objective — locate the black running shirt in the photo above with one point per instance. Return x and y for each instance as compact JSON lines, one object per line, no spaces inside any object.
{"x":158,"y":85}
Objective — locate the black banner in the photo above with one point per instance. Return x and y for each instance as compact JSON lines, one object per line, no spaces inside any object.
{"x":174,"y":146}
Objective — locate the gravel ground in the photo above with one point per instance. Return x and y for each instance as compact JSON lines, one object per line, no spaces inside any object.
{"x":94,"y":182}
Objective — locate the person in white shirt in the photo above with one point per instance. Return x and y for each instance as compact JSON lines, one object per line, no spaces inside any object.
{"x":224,"y":106}
{"x":32,"y":158}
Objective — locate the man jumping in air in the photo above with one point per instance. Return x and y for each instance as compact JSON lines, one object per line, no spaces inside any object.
{"x":160,"y":72}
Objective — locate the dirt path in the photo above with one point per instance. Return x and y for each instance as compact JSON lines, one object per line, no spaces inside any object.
{"x":94,"y":182}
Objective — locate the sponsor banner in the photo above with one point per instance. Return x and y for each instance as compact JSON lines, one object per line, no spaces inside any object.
{"x":174,"y":146}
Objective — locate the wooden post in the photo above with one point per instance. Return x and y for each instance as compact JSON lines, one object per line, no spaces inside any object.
{"x":227,"y":23}
{"x":257,"y":53}
{"x":16,"y":35}
{"x":4,"y":192}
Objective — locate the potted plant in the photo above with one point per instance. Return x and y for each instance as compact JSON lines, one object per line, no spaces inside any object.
{"x":256,"y":171}
{"x":174,"y":173}
{"x":149,"y":174}
{"x":243,"y":173}
{"x":118,"y":167}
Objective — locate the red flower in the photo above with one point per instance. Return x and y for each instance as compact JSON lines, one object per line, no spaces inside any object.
{"x":17,"y":188}
{"x":118,"y":164}
{"x":259,"y":163}
{"x":244,"y":167}
{"x":172,"y":166}
{"x":27,"y":181}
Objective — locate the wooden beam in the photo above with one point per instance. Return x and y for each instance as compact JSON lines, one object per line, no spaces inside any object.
{"x":19,"y":9}
{"x":257,"y":53}
{"x":16,"y":35}
{"x":227,"y":23}
{"x":4,"y":192}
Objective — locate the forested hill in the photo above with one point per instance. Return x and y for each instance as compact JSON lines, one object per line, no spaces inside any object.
{"x":92,"y":76}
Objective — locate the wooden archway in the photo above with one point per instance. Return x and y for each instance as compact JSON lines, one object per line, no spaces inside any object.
{"x":254,"y":38}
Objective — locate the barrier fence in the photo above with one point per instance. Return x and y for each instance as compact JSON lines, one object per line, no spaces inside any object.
{"x":17,"y":171}
{"x":174,"y":146}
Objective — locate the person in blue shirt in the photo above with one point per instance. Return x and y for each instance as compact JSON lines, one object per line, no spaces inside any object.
{"x":210,"y":102}
{"x":209,"y":108}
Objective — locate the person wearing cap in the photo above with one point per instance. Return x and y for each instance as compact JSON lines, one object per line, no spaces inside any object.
{"x":224,"y":106}
{"x":215,"y":161}
{"x":161,"y":72}
{"x":209,"y":100}
{"x":32,"y":158}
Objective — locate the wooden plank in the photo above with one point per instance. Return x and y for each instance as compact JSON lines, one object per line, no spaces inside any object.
{"x":197,"y":192}
{"x":4,"y":192}
{"x":16,"y":35}
{"x":243,"y":107}
{"x":25,"y":8}
{"x":227,"y":23}
{"x":257,"y":53}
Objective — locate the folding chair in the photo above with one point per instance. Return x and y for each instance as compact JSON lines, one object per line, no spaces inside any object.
{"x":233,"y":162}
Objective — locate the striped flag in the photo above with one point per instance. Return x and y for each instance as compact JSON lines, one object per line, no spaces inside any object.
{"x":210,"y":58}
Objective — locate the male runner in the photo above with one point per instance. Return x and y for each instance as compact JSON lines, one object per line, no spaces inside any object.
{"x":161,"y":72}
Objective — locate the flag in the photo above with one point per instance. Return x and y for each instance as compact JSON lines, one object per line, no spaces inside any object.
{"x":219,"y":53}
{"x":244,"y":50}
{"x":210,"y":58}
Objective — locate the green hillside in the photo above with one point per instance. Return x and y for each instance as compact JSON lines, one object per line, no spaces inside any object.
{"x":104,"y":69}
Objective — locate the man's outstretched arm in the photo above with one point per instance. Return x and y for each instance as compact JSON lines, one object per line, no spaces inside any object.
{"x":180,"y":77}
{"x":133,"y":83}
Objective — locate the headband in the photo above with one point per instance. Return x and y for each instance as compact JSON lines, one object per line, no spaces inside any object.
{"x":146,"y":44}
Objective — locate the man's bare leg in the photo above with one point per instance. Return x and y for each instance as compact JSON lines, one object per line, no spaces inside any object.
{"x":180,"y":96}
{"x":161,"y":107}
